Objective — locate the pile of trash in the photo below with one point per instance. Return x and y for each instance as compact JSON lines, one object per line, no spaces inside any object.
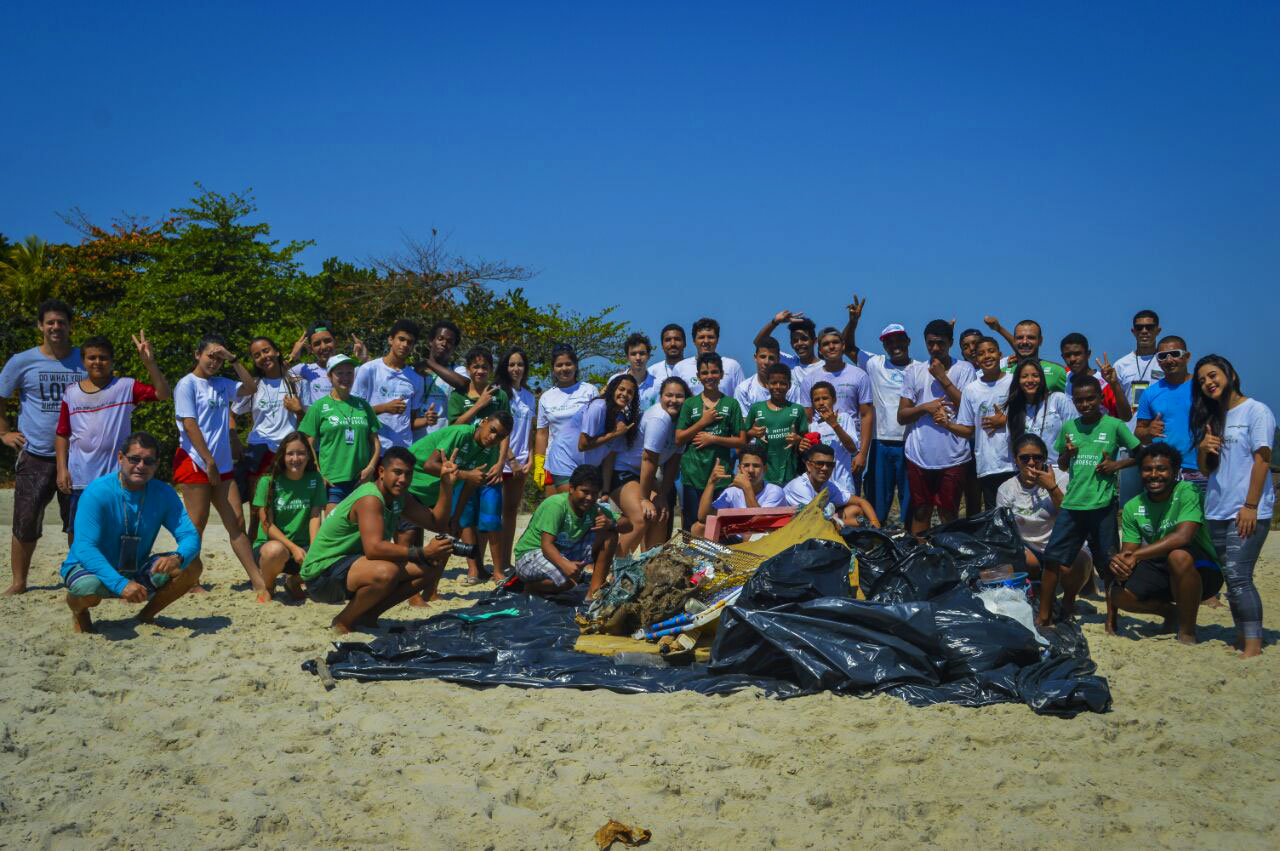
{"x":927,"y":632}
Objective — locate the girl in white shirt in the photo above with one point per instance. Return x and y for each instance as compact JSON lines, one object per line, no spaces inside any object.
{"x":1233,"y":435}
{"x":556,"y":454}
{"x":275,"y":408}
{"x":512,"y":376}
{"x":202,"y":464}
{"x":1031,"y":410}
{"x":660,"y":460}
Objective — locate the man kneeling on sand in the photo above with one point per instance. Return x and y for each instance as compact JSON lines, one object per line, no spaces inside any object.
{"x":353,"y":557}
{"x":568,"y":533}
{"x":819,"y":463}
{"x":117,"y":520}
{"x":1166,"y":564}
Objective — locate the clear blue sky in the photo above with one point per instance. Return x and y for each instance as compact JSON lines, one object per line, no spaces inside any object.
{"x":1071,"y":162}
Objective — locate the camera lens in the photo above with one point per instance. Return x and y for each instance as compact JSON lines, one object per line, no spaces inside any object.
{"x":463,"y":549}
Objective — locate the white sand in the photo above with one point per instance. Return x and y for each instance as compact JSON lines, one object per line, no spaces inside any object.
{"x":203,"y":732}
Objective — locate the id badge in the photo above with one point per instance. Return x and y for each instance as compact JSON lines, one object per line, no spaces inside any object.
{"x":351,"y":437}
{"x":1135,"y":392}
{"x":128,"y":553}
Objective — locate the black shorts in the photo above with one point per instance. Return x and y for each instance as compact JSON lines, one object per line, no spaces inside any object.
{"x":330,"y":585}
{"x":1150,"y":580}
{"x":291,"y":567}
{"x":34,"y":487}
{"x":623,"y":477}
{"x":1073,"y":528}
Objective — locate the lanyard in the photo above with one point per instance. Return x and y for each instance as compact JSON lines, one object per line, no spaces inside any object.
{"x":124,"y":510}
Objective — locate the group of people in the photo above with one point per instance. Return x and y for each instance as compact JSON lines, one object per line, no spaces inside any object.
{"x":1146,"y":475}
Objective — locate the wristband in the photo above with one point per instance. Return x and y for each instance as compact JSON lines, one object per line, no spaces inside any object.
{"x":415,"y":555}
{"x":1252,"y":505}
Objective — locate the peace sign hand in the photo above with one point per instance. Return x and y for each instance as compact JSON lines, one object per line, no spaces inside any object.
{"x":449,"y":466}
{"x":358,"y":348}
{"x":855,"y":309}
{"x":143,"y":346}
{"x":1108,"y":371}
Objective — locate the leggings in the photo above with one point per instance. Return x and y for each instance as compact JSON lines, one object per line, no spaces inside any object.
{"x":1238,"y":558}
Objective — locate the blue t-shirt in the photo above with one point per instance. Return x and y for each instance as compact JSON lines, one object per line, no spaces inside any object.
{"x":39,"y":381}
{"x":104,"y":512}
{"x":1173,"y":404}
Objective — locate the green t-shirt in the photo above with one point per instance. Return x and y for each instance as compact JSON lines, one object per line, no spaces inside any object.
{"x":459,"y":402}
{"x":425,"y":487}
{"x":556,"y":516}
{"x":342,"y":430}
{"x":1088,"y":488}
{"x":696,"y":464}
{"x":783,"y":461}
{"x":291,"y":506}
{"x":339,"y":535}
{"x":1055,"y":375}
{"x":1145,"y":521}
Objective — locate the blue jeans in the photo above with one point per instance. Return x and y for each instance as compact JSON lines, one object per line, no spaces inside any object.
{"x":889,"y":470}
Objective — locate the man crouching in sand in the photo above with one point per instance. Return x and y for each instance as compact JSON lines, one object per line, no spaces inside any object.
{"x":353,"y":559}
{"x":117,"y":520}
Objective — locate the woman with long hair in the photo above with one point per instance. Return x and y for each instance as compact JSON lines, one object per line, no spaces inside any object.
{"x":556,"y":454}
{"x":609,"y":430}
{"x":275,"y":408}
{"x":1035,"y":497}
{"x":659,"y":461}
{"x":480,"y":515}
{"x":202,"y":462}
{"x":513,"y":377}
{"x":289,"y":499}
{"x":1033,"y":409}
{"x":1233,"y":435}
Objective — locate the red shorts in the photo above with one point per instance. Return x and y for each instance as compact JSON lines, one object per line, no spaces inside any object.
{"x":940,"y":489}
{"x":185,"y":471}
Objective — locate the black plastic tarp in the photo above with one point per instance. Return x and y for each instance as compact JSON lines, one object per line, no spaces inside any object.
{"x":923,"y":635}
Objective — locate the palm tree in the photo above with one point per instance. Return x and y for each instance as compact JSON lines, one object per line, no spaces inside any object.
{"x":21,"y":270}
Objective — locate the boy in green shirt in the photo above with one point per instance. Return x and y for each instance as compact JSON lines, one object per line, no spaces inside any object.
{"x":1166,"y":565}
{"x":709,"y":427}
{"x":1086,"y":446}
{"x":780,"y":425}
{"x":353,"y":558}
{"x":568,"y":532}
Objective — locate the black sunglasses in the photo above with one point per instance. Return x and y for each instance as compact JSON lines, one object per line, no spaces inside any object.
{"x":1172,"y":354}
{"x":1027,"y":459}
{"x":822,"y":463}
{"x":147,"y":460}
{"x":1145,"y":327}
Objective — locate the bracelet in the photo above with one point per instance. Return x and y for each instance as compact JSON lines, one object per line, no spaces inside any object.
{"x":1252,"y":505}
{"x":415,"y":555}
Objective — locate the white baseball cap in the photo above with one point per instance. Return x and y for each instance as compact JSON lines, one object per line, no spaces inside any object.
{"x":891,"y":329}
{"x":337,"y":361}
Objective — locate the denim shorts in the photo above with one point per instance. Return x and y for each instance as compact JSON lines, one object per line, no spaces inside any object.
{"x":339,"y":492}
{"x":1074,"y":527}
{"x":330,"y":585}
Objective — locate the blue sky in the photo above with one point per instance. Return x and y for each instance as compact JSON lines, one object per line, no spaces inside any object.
{"x":1071,"y":162}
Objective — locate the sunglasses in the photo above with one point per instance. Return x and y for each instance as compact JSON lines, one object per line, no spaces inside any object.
{"x":1145,"y":327}
{"x":1172,"y":354}
{"x":145,"y":460}
{"x":1030,"y":459}
{"x":823,"y":463}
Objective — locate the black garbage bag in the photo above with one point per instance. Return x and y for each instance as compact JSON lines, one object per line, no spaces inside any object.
{"x":976,"y":543}
{"x":890,"y":572}
{"x":815,"y":568}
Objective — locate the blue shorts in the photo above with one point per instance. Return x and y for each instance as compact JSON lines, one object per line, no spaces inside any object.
{"x":330,"y":584}
{"x":339,"y":492}
{"x":483,"y":511}
{"x":81,"y":583}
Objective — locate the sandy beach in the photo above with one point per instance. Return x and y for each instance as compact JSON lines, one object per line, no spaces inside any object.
{"x":202,"y":731}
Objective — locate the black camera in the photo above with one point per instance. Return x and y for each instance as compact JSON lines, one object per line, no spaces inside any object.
{"x":460,"y":548}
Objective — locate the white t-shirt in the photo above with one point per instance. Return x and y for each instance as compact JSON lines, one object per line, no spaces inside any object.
{"x":272,"y":421}
{"x":1136,"y":373}
{"x":377,"y":383}
{"x":852,"y":384}
{"x":435,"y":395}
{"x":313,"y":382}
{"x":979,"y":400}
{"x":929,"y":445}
{"x":1033,"y":509}
{"x":523,"y":410}
{"x":799,"y":492}
{"x":798,"y":370}
{"x":751,"y":391}
{"x":557,"y":409}
{"x":662,"y":370}
{"x":1046,"y":419}
{"x":842,"y":475}
{"x":733,"y":375}
{"x":208,"y":402}
{"x":1249,"y":426}
{"x":96,"y":424}
{"x":887,"y":379}
{"x":590,"y":422}
{"x":657,"y":434}
{"x":732,"y":497}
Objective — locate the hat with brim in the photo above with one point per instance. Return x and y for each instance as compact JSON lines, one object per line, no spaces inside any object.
{"x":337,"y":361}
{"x":890,"y":330}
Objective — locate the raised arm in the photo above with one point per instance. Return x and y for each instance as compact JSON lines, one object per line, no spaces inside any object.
{"x":994,"y":324}
{"x":851,"y":328}
{"x":454,"y":379}
{"x":148,"y":358}
{"x":779,"y":318}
